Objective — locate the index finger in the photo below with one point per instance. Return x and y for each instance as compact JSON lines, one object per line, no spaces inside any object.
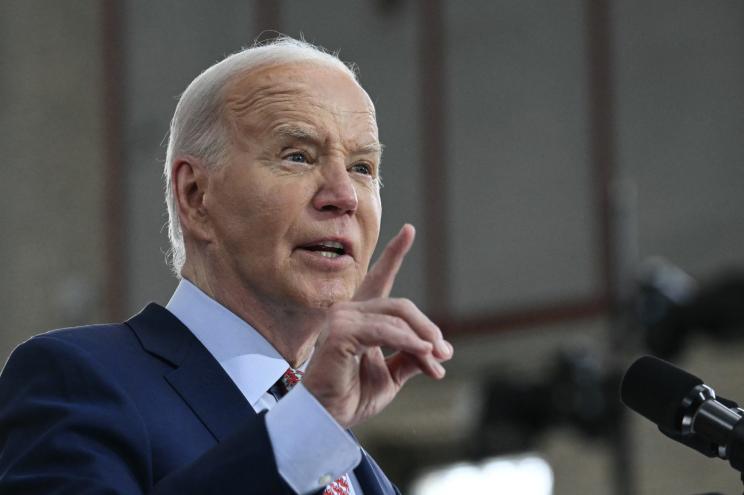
{"x":379,"y":280}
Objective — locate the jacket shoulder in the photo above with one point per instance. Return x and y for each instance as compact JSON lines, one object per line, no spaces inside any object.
{"x":103,"y":337}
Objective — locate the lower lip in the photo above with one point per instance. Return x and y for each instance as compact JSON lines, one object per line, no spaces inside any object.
{"x":317,"y":259}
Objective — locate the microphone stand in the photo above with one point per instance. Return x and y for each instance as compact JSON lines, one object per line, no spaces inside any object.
{"x":710,"y":424}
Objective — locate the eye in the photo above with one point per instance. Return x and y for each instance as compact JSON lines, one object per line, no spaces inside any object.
{"x":362,"y":168}
{"x":296,"y":157}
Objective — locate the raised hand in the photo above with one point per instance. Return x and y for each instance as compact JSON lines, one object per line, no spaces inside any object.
{"x":349,"y":375}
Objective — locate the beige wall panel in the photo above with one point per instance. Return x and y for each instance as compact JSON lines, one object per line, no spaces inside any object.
{"x":51,"y":137}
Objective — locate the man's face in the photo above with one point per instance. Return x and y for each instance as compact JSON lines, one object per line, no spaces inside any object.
{"x":295,"y":214}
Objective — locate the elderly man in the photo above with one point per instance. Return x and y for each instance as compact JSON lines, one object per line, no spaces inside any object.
{"x":272,"y":177}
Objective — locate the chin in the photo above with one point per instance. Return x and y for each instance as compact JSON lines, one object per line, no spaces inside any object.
{"x":325,"y":297}
{"x":328,"y":300}
{"x":321,"y":292}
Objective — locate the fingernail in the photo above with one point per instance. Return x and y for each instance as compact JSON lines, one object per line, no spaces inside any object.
{"x":444,"y":348}
{"x":439,"y":369}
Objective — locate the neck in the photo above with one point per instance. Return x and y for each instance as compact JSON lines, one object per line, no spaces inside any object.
{"x":291,"y":331}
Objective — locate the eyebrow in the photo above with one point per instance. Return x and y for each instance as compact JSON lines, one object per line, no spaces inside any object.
{"x":297,"y":132}
{"x":369,"y":148}
{"x":309,"y":135}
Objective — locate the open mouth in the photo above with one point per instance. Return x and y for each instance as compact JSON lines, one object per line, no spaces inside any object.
{"x":327,"y":249}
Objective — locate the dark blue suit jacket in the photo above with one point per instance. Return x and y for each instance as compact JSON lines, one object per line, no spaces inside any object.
{"x":135,"y":408}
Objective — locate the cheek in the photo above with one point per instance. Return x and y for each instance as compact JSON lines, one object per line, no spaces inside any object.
{"x":375,"y":205}
{"x":371,"y":223}
{"x":272,"y":213}
{"x":248,"y":217}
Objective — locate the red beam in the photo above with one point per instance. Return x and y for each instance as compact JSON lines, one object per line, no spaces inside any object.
{"x":114,"y":200}
{"x":602,"y":134}
{"x":434,"y":137}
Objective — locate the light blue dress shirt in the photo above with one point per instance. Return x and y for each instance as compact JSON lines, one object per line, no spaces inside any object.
{"x":327,"y":451}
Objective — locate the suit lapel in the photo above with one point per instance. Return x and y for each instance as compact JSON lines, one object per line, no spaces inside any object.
{"x":211,"y":394}
{"x":197,"y":377}
{"x":368,"y":479}
{"x":202,"y":383}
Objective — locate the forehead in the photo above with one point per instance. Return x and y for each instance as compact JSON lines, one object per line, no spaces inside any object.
{"x":304,"y":94}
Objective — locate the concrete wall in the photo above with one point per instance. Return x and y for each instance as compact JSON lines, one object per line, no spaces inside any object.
{"x":53,"y":166}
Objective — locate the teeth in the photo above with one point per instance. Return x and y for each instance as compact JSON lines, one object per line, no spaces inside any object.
{"x":329,"y":254}
{"x":331,"y":244}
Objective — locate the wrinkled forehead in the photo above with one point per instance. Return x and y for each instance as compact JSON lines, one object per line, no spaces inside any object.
{"x":302,"y":90}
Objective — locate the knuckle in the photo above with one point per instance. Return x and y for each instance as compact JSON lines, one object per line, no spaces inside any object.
{"x":396,"y":321}
{"x":378,"y":330}
{"x":404,"y":304}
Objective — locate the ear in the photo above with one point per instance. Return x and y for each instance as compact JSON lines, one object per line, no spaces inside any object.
{"x":190,"y":179}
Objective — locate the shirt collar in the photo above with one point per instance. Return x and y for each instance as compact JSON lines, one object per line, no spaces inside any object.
{"x":245,"y":355}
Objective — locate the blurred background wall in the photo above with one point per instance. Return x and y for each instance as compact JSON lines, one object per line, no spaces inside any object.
{"x":542,"y":149}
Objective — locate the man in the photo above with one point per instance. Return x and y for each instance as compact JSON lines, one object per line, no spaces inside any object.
{"x":272,"y":175}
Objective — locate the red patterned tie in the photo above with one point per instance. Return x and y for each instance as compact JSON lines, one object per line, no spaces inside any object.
{"x":341,"y":486}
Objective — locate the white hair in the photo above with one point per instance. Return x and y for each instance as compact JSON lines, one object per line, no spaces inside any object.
{"x":198,"y":128}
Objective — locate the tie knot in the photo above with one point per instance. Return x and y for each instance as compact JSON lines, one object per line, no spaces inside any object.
{"x":291,"y":378}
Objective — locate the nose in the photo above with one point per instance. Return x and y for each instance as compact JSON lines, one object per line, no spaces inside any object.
{"x":336,"y":191}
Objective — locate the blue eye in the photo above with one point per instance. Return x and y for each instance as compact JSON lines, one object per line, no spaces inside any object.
{"x":297,"y":157}
{"x":362,"y":168}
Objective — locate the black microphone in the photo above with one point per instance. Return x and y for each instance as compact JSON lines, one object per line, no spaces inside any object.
{"x":685,"y":409}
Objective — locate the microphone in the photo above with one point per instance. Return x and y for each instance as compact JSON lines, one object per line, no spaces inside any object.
{"x":685,"y":409}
